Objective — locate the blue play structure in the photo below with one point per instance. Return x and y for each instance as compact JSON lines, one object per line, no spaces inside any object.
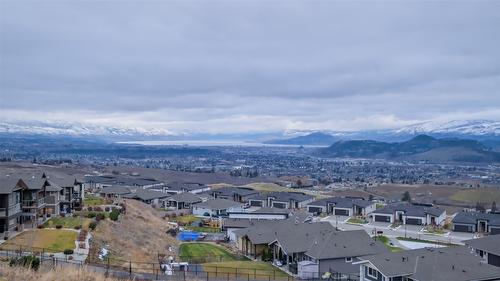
{"x":188,"y":236}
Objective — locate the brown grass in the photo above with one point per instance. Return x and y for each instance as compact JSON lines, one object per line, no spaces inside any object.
{"x":8,"y":273}
{"x":139,"y":235}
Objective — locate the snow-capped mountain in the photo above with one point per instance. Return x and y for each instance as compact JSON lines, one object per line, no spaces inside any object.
{"x":463,"y":127}
{"x":77,"y":129}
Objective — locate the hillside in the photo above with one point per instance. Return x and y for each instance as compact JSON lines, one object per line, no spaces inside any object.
{"x":419,"y":148}
{"x":139,"y":235}
{"x":317,"y":138}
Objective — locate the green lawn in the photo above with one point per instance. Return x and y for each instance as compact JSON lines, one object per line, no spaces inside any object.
{"x":91,"y":200}
{"x":187,"y":219}
{"x":68,"y":222}
{"x":357,"y":221}
{"x":52,"y":240}
{"x":253,"y":269}
{"x":206,"y":252}
{"x":387,"y":243}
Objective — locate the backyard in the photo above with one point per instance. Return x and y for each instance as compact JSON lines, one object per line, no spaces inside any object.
{"x":52,"y":240}
{"x":68,"y":222}
{"x":225,"y":262}
{"x":91,"y":200}
{"x":206,"y":252}
{"x":388,"y":244}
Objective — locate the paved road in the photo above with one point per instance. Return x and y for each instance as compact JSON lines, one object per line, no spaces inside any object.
{"x":410,"y":231}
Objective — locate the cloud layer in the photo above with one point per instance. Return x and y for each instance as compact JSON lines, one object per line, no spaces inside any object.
{"x":249,"y":66}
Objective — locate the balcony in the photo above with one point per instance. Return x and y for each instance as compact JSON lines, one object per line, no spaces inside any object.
{"x":12,"y":210}
{"x":34,"y":203}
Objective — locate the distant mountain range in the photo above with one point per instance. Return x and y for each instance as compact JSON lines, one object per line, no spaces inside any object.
{"x":419,"y":148}
{"x":483,"y":130}
{"x":316,"y":138}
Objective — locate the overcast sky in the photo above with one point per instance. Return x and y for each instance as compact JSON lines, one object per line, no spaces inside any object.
{"x":249,"y":66}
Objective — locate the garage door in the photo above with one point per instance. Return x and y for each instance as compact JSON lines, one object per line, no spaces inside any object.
{"x":315,"y":210}
{"x":279,"y":205}
{"x":462,"y":228}
{"x":414,"y":221}
{"x":494,"y":230}
{"x":256,"y":203}
{"x":383,"y":218}
{"x":339,"y":212}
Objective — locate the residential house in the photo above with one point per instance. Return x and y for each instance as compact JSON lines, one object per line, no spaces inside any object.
{"x":488,"y":248}
{"x":238,"y":194}
{"x":283,"y":200}
{"x":334,"y":253}
{"x":33,"y":199}
{"x":341,"y":206}
{"x":183,"y":200}
{"x":436,"y":264}
{"x":52,"y":199}
{"x":179,"y":187}
{"x":94,"y":183}
{"x":71,"y":194}
{"x":264,"y":213}
{"x":217,"y":207}
{"x":151,"y":197}
{"x":10,"y":204}
{"x":476,"y":222}
{"x":115,"y":191}
{"x":407,"y":213}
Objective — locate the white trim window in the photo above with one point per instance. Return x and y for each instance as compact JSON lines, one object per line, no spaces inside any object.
{"x":372,"y":273}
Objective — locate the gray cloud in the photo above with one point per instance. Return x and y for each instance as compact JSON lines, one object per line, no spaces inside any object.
{"x":225,"y":66}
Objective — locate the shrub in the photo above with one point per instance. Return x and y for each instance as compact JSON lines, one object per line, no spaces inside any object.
{"x":89,"y":209}
{"x":68,"y":252}
{"x":62,"y":215}
{"x":107,"y":209}
{"x":75,"y":215}
{"x":114,"y":214}
{"x":77,"y":227}
{"x":70,"y":258}
{"x":93,"y":225}
{"x":59,"y":226}
{"x":41,"y":226}
{"x":26,"y":261}
{"x":91,"y":215}
{"x":100,"y":216}
{"x":98,"y":209}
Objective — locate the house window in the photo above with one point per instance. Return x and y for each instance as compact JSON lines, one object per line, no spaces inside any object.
{"x":372,"y":273}
{"x":349,"y":259}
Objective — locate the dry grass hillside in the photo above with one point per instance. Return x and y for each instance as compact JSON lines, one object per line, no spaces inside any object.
{"x":138,"y":235}
{"x":45,"y":274}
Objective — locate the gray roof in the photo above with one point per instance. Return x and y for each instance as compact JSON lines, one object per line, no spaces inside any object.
{"x":293,"y":237}
{"x":338,"y":244}
{"x":218,"y":204}
{"x":472,"y":217}
{"x":284,"y":196}
{"x":185,"y":197}
{"x":9,"y":184}
{"x":490,"y":244}
{"x":434,"y":264}
{"x":242,"y":223}
{"x":52,"y":186}
{"x":187,"y":186}
{"x":410,"y":210}
{"x":229,"y":191}
{"x":115,"y":189}
{"x":341,"y":202}
{"x":146,"y":194}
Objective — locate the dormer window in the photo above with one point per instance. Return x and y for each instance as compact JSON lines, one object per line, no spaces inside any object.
{"x":349,"y":259}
